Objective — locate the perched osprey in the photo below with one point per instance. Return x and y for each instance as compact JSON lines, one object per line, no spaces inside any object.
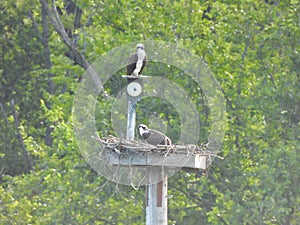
{"x":137,"y":61}
{"x":153,"y":137}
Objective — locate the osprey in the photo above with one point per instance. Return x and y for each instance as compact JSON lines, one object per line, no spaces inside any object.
{"x":137,"y":61}
{"x":153,"y":137}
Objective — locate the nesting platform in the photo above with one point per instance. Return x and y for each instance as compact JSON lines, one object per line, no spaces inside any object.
{"x":121,"y":152}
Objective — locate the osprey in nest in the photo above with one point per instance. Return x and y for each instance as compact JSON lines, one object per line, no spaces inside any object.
{"x":153,"y":137}
{"x":137,"y":61}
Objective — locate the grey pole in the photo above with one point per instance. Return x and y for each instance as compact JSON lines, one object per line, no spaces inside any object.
{"x":157,"y":204}
{"x":131,"y":119}
{"x":157,"y":186}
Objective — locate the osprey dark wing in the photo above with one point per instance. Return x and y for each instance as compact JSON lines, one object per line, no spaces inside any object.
{"x":153,"y":137}
{"x":131,"y":64}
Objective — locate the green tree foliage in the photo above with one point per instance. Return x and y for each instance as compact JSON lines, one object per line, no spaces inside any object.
{"x":252,"y":48}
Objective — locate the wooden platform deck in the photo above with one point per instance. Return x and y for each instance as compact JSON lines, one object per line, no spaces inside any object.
{"x":122,"y":152}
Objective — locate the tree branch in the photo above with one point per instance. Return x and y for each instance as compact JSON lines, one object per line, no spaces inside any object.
{"x":43,"y":36}
{"x":222,"y":219}
{"x":19,"y":136}
{"x":78,"y":57}
{"x":1,"y":173}
{"x":35,"y":26}
{"x":4,"y":113}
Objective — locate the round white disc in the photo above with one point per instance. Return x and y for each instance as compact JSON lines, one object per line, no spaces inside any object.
{"x":134,"y":89}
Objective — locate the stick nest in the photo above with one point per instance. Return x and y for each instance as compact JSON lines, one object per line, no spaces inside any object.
{"x":123,"y":146}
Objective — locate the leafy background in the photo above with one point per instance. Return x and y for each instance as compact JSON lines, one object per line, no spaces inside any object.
{"x":252,"y":48}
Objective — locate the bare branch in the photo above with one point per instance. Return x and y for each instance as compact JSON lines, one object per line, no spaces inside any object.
{"x":272,"y":80}
{"x":17,"y":125}
{"x":1,"y":172}
{"x":35,"y":26}
{"x":4,"y":113}
{"x":222,"y":219}
{"x":60,"y":29}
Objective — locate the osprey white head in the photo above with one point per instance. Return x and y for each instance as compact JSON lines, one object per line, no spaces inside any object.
{"x":140,"y":46}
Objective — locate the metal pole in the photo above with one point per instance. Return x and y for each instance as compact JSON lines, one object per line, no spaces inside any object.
{"x":131,"y":120}
{"x":156,"y":209}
